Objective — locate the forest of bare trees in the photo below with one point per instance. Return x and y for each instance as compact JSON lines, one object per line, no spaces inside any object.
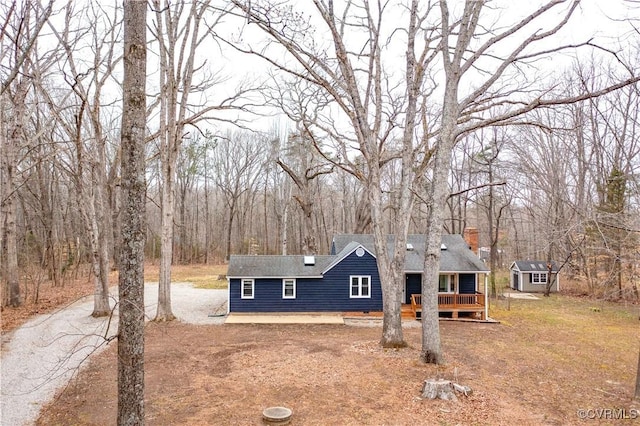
{"x":261,"y":165}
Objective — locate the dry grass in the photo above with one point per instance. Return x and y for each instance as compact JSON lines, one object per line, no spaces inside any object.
{"x":546,"y":360}
{"x":202,"y":276}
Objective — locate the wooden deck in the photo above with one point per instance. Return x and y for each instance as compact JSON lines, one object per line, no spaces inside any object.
{"x":453,"y":303}
{"x":449,"y":303}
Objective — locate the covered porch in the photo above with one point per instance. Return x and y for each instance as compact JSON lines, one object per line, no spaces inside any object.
{"x":458,"y":293}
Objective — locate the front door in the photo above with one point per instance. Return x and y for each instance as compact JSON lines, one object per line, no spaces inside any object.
{"x":467,"y":283}
{"x":413,"y":285}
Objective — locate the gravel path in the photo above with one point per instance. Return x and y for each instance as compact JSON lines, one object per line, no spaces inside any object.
{"x":41,"y":357}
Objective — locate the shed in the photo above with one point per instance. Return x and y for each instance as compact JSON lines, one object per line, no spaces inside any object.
{"x":533,"y":275}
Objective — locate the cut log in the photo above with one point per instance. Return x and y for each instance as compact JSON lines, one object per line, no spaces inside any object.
{"x":440,"y":389}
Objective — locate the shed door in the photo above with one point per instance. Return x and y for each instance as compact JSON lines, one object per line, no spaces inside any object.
{"x":515,"y":281}
{"x":467,"y":283}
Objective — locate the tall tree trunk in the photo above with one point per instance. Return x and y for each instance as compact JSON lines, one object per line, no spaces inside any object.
{"x":207,"y":225}
{"x":493,"y":233}
{"x":232,"y":213}
{"x":46,"y":187}
{"x":636,"y":394}
{"x":131,"y":278}
{"x":10,"y":237}
{"x":431,"y":348}
{"x":101,"y":289}
{"x":362,"y":215}
{"x":391,"y":273}
{"x":10,"y":206}
{"x":101,"y":219}
{"x":309,"y":244}
{"x":438,"y":192}
{"x":285,"y":226}
{"x":164,"y":312}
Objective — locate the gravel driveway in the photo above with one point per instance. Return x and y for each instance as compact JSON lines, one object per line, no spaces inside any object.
{"x":41,"y":357}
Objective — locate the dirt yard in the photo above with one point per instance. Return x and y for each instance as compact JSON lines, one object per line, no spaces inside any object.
{"x":547,"y":360}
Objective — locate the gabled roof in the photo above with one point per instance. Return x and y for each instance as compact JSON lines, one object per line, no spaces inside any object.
{"x":534,"y":266}
{"x":276,"y":266}
{"x":346,"y":251}
{"x":455,"y":255}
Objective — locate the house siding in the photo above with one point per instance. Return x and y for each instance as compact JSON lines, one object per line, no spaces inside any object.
{"x":330,"y":293}
{"x":526,"y":285}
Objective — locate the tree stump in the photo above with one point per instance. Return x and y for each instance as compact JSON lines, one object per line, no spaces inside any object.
{"x":440,"y":389}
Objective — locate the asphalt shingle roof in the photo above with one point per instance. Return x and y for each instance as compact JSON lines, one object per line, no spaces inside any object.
{"x":276,"y":266}
{"x":535,"y":266}
{"x":456,"y":257}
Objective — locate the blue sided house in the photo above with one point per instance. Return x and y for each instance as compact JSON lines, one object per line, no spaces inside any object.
{"x":347,"y":279}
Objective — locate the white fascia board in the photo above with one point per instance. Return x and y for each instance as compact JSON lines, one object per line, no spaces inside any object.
{"x":276,"y":277}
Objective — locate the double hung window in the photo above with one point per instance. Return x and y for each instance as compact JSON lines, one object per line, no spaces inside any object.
{"x":289,"y":288}
{"x":538,"y":278}
{"x":247,"y":288}
{"x":360,"y":286}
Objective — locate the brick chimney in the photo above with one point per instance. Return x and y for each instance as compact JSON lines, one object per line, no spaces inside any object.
{"x":471,"y":237}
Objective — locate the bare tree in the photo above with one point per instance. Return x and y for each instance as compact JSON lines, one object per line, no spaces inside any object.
{"x":177,"y":29}
{"x":237,"y":158}
{"x":303,"y":167}
{"x":88,"y":82}
{"x":177,"y":64}
{"x":131,"y":281}
{"x":18,"y":27}
{"x":466,"y":45}
{"x":381,"y":126}
{"x":191,"y":163}
{"x":21,"y":26}
{"x":487,"y":160}
{"x":391,"y":119}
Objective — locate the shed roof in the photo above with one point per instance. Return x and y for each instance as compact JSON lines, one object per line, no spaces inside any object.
{"x":534,"y":266}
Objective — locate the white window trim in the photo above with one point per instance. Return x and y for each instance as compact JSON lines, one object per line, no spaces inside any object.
{"x":541,"y":276}
{"x":253,"y":288}
{"x":450,"y":283}
{"x":284,"y":280}
{"x":359,"y":295}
